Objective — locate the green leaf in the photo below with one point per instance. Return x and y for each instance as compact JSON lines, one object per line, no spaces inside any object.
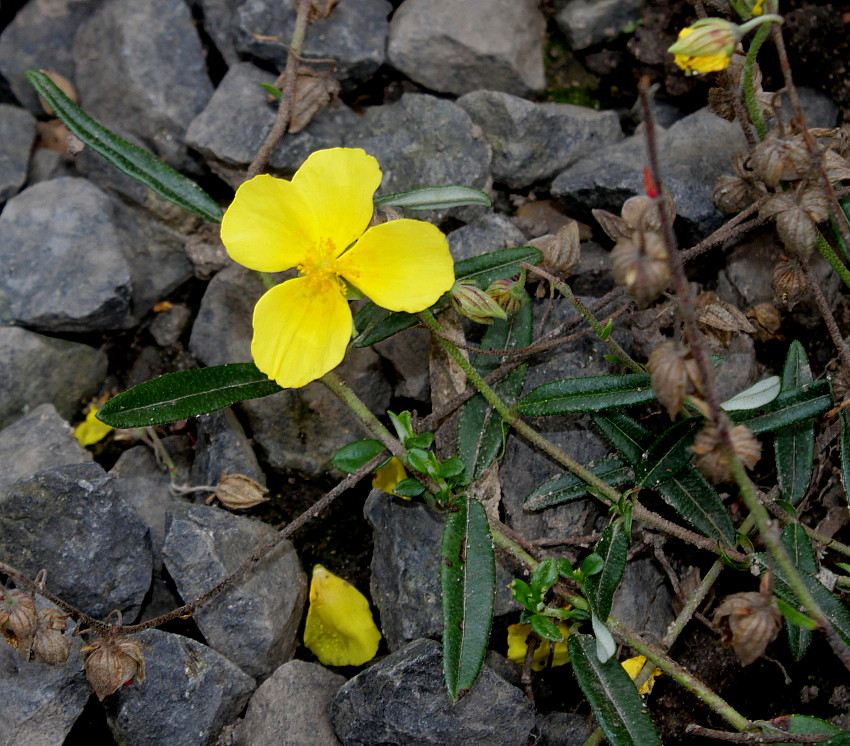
{"x":271,"y":90}
{"x":480,"y":429}
{"x":590,"y":394}
{"x":125,"y":156}
{"x":844,"y":448}
{"x":797,"y":618}
{"x":468,"y":581}
{"x":435,"y":198}
{"x":600,"y":588}
{"x":802,"y":725}
{"x":544,"y":578}
{"x":409,"y":487}
{"x":374,"y":323}
{"x":546,"y":628}
{"x":451,"y":468}
{"x":178,"y":396}
{"x":669,"y":453}
{"x":419,"y":460}
{"x":351,"y":457}
{"x":799,"y":549}
{"x":612,"y":695}
{"x":629,"y":438}
{"x":794,"y":446}
{"x":605,"y":643}
{"x":790,"y":407}
{"x":695,"y":500}
{"x":593,"y":564}
{"x":567,"y":487}
{"x":757,"y":395}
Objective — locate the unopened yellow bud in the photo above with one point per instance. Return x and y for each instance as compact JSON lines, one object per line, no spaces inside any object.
{"x":509,"y":294}
{"x":471,"y":301}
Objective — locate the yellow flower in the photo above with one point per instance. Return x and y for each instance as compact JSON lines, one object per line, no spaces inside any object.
{"x":389,"y":475}
{"x":318,"y":222}
{"x":518,"y":635}
{"x":758,"y":8}
{"x":633,"y":667}
{"x":92,"y":430}
{"x":339,"y":628}
{"x":706,"y":46}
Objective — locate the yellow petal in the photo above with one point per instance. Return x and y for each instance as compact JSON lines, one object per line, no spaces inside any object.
{"x":301,"y":330}
{"x":709,"y":63}
{"x":402,"y":265}
{"x":92,"y":430}
{"x":339,"y":628}
{"x":269,"y":226}
{"x":518,"y":635}
{"x":389,"y":475}
{"x":633,"y":667}
{"x":339,"y":184}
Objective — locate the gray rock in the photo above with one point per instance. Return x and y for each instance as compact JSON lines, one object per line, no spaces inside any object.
{"x":694,"y":152}
{"x":404,"y":353}
{"x":354,"y":35}
{"x":168,"y":326}
{"x":74,"y":260}
{"x":41,"y":37}
{"x":40,"y":703}
{"x":738,"y":370}
{"x":820,"y":109}
{"x":190,"y":693}
{"x":140,"y":68}
{"x":71,"y":521}
{"x":17,"y":134}
{"x":41,"y":440}
{"x":222,"y":446}
{"x":589,"y":22}
{"x":423,"y":141}
{"x":46,"y":165}
{"x":643,"y":601}
{"x":292,"y":708}
{"x":458,"y":46}
{"x":219,"y":19}
{"x":490,"y":232}
{"x":253,"y":622}
{"x":563,"y":729}
{"x":532,"y":142}
{"x":37,"y":370}
{"x":405,"y":581}
{"x":402,"y":700}
{"x":237,"y":119}
{"x":592,"y":275}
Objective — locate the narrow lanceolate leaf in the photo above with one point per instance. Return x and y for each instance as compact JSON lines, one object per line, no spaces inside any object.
{"x":480,"y":429}
{"x":468,"y":581}
{"x":612,"y":695}
{"x":695,"y":500}
{"x":790,"y":407}
{"x":629,"y":438}
{"x":799,"y":549}
{"x":591,"y":394}
{"x":178,"y":396}
{"x":435,"y":198}
{"x":670,"y":452}
{"x":374,"y":323}
{"x":125,"y":156}
{"x":794,"y":446}
{"x":600,"y":588}
{"x":844,"y":448}
{"x":567,"y":487}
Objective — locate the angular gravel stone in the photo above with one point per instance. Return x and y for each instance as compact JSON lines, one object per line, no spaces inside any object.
{"x":219,"y":19}
{"x":75,"y":260}
{"x":354,"y":35}
{"x":589,"y":22}
{"x":17,"y":134}
{"x":40,"y":703}
{"x":140,"y":69}
{"x":253,"y":622}
{"x":643,"y":600}
{"x":238,"y":117}
{"x":405,"y":582}
{"x":694,"y":152}
{"x":41,"y":37}
{"x":41,"y":440}
{"x":71,"y":521}
{"x":532,"y":142}
{"x":292,"y":708}
{"x":222,"y":446}
{"x":36,"y":370}
{"x":490,"y":232}
{"x":402,"y":700}
{"x":404,"y":354}
{"x":190,"y":693}
{"x":458,"y":46}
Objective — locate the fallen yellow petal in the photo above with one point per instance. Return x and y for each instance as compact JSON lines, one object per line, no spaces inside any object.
{"x":388,"y":476}
{"x":633,"y":667}
{"x":518,"y":635}
{"x":92,"y":430}
{"x":339,"y":630}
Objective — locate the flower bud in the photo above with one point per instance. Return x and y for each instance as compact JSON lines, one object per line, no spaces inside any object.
{"x":238,"y":492}
{"x":706,"y":46}
{"x":509,"y":294}
{"x":18,"y":619}
{"x":111,"y":662}
{"x":472,"y":302}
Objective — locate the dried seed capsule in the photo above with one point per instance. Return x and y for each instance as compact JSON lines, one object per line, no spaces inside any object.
{"x":789,"y":283}
{"x":640,"y":264}
{"x":18,"y":618}
{"x":732,"y":193}
{"x":711,"y":458}
{"x":750,"y":621}
{"x":776,"y":160}
{"x":238,"y":492}
{"x":48,"y":644}
{"x":669,"y":376}
{"x":111,"y":662}
{"x":814,"y":201}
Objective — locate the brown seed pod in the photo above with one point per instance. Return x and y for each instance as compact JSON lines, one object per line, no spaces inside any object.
{"x":711,"y":458}
{"x":750,"y":621}
{"x":563,"y":252}
{"x":18,"y":618}
{"x":614,"y":226}
{"x":48,"y":644}
{"x":722,"y":316}
{"x":797,"y":231}
{"x":789,"y":283}
{"x":836,"y":167}
{"x":111,"y":662}
{"x":640,"y":264}
{"x":238,"y":492}
{"x":776,"y":160}
{"x":814,"y":201}
{"x":669,"y":375}
{"x":732,"y":193}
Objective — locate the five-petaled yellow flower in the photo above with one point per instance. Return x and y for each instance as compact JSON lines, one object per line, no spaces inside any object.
{"x":319,"y":223}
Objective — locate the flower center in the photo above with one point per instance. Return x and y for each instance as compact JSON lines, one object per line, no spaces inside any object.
{"x":319,"y":268}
